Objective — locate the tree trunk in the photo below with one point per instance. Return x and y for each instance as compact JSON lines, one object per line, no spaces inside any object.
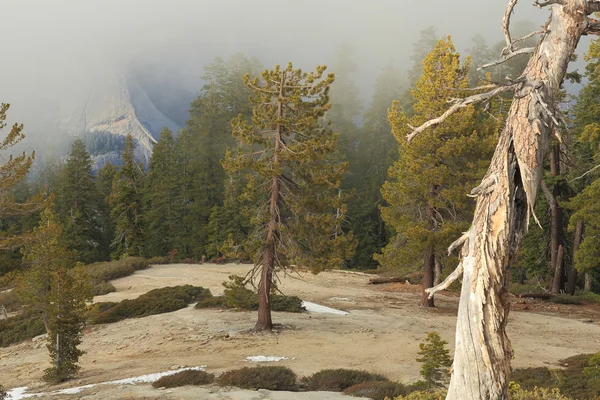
{"x":560,"y":270}
{"x":428,"y":276}
{"x":587,"y":284}
{"x":572,"y":281}
{"x":265,"y":323}
{"x":556,"y":226}
{"x":438,"y":273}
{"x":505,"y":202}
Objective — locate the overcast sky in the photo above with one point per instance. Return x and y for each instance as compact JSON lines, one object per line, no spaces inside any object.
{"x":55,"y":50}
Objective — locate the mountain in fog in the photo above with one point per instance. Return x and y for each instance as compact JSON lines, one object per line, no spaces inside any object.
{"x":118,"y":108}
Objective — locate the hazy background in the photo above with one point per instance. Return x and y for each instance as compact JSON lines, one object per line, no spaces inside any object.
{"x":54,"y":53}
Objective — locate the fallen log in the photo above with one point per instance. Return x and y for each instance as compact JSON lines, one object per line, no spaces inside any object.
{"x":538,"y":295}
{"x":397,"y":279}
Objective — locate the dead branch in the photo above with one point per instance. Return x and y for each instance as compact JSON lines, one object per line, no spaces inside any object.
{"x":585,"y":174}
{"x":549,"y":197}
{"x":447,"y":282}
{"x":397,"y":279}
{"x":547,"y":3}
{"x":458,"y":104}
{"x":506,"y":25}
{"x":508,"y":56}
{"x":458,"y":242}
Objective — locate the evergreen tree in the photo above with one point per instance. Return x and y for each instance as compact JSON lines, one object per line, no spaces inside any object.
{"x":104,"y":183}
{"x":201,"y":146}
{"x":77,"y":205}
{"x":163,"y":205}
{"x":435,"y":359}
{"x":426,"y":190}
{"x":377,"y":151}
{"x":126,"y":205}
{"x":292,"y":182}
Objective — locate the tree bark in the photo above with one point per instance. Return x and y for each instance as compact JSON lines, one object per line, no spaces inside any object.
{"x":559,"y":271}
{"x":438,"y":272}
{"x":429,"y":261}
{"x":504,"y":204}
{"x":587,"y":284}
{"x":556,"y":226}
{"x":572,"y":281}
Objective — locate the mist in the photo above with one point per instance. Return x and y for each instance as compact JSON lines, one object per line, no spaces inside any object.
{"x":54,"y":53}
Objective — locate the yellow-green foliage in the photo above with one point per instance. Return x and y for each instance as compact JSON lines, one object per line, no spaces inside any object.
{"x":339,"y":379}
{"x":426,"y":189}
{"x":267,"y":377}
{"x":184,"y":378}
{"x":435,"y":360}
{"x":517,"y":393}
{"x":423,"y":396}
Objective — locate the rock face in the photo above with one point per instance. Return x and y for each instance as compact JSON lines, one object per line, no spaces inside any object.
{"x":120,"y":107}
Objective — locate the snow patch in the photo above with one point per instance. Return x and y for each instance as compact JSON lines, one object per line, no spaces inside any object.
{"x":257,"y":359}
{"x":317,"y":308}
{"x":19,"y":393}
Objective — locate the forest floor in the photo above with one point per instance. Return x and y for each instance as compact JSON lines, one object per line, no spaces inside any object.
{"x":381,"y":333}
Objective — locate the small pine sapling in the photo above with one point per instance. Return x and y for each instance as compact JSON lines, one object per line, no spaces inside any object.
{"x":435,"y":361}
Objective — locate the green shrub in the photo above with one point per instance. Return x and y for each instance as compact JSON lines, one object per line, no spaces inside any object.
{"x":212,"y":302}
{"x":378,"y":390}
{"x":268,"y":377}
{"x":109,"y":270}
{"x":21,"y":327}
{"x":435,"y":360}
{"x":159,"y":260}
{"x":101,"y":288}
{"x":286,"y":303}
{"x":337,"y":380}
{"x":518,"y":393}
{"x":566,"y":299}
{"x":10,"y":300}
{"x":589,"y":296}
{"x":184,"y":378}
{"x":156,"y":301}
{"x":237,"y":295}
{"x":423,"y":395}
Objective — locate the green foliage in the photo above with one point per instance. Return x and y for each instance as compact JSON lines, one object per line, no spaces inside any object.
{"x":159,"y":260}
{"x":156,"y":301}
{"x":377,"y":390}
{"x":184,"y":378}
{"x":78,"y":207}
{"x":518,"y":393}
{"x":592,"y":371}
{"x":21,"y":327}
{"x":109,"y":270}
{"x":66,"y":319}
{"x":566,"y":299}
{"x":435,"y":360}
{"x":337,"y":380}
{"x":102,"y":288}
{"x":10,"y":300}
{"x":286,"y":303}
{"x":163,"y":208}
{"x":267,"y":377}
{"x":571,"y":379}
{"x":427,"y":206}
{"x":212,"y":302}
{"x":126,"y":205}
{"x":423,"y":395}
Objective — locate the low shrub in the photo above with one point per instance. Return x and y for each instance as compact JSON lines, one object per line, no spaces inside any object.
{"x":10,"y":300}
{"x":566,"y":299}
{"x":518,"y":393}
{"x":159,"y":260}
{"x":378,"y":390}
{"x":109,"y":270}
{"x":589,"y":296}
{"x":237,"y":295}
{"x":423,"y":395}
{"x":101,"y":288}
{"x":267,"y":377}
{"x":184,"y":378}
{"x":286,"y":303}
{"x":212,"y":302}
{"x":156,"y":301}
{"x":337,"y":380}
{"x":21,"y":327}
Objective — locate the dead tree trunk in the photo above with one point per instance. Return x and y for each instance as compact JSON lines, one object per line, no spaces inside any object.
{"x":559,"y":271}
{"x":572,"y":281}
{"x":505,"y":200}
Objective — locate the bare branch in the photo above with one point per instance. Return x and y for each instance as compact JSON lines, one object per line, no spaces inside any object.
{"x":447,"y":282}
{"x":459,"y":103}
{"x":458,"y":242}
{"x":508,"y":56}
{"x":585,"y":174}
{"x":549,"y":196}
{"x":506,"y":25}
{"x":593,"y":27}
{"x":538,"y":32}
{"x":547,"y":3}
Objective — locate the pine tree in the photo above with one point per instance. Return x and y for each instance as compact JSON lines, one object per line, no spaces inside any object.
{"x":104,"y":183}
{"x":163,"y":206}
{"x":201,"y":146}
{"x":426,"y":190}
{"x":126,"y":205}
{"x":77,"y":204}
{"x":435,"y":359}
{"x":292,"y":182}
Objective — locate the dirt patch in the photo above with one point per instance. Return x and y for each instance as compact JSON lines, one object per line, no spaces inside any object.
{"x":380,"y":334}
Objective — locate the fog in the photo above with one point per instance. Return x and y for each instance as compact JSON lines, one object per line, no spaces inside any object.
{"x":54,"y":53}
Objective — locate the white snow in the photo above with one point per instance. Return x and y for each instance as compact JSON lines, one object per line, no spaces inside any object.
{"x":19,"y":393}
{"x":316,"y":308}
{"x":257,"y":359}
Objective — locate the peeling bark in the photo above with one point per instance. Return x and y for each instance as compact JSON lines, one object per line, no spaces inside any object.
{"x":428,"y":277}
{"x":483,"y":351}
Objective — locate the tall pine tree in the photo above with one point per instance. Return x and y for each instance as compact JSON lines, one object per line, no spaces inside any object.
{"x":292,"y":181}
{"x":426,"y":190}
